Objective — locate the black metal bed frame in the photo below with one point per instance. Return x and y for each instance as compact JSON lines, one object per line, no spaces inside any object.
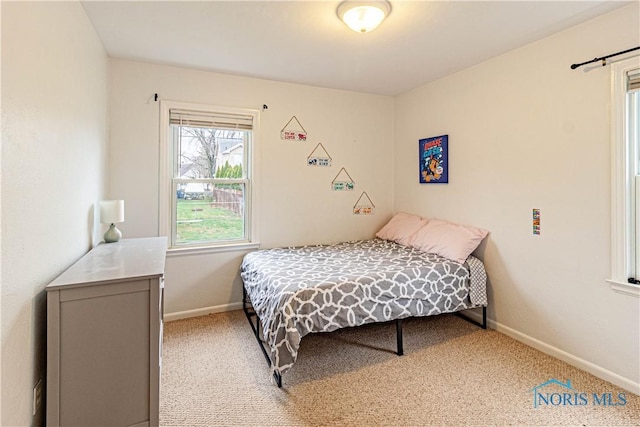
{"x":255,"y":326}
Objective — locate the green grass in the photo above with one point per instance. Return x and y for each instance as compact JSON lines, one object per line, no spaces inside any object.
{"x":199,"y":221}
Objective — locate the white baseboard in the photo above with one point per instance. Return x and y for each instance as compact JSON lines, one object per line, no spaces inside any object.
{"x":593,"y":369}
{"x":168,"y":317}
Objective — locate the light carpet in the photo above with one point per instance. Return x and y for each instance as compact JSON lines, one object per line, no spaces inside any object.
{"x":453,"y":373}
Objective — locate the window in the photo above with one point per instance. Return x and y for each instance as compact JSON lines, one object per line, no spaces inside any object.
{"x":206,"y":175}
{"x":625,"y":249}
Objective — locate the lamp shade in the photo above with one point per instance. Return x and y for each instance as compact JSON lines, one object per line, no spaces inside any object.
{"x":363,"y":16}
{"x":111,"y":211}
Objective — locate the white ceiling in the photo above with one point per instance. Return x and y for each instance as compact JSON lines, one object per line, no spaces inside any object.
{"x":305,"y":42}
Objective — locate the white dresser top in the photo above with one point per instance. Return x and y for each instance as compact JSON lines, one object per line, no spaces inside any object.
{"x":107,"y":262}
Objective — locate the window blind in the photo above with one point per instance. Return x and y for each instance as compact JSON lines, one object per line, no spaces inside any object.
{"x":633,"y":80}
{"x":203,"y":119}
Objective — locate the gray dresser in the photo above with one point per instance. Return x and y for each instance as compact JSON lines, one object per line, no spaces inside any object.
{"x":104,"y":336}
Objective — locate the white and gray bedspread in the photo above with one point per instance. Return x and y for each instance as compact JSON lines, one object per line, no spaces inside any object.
{"x":297,"y":291}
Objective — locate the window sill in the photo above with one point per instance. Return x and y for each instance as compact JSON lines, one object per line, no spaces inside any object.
{"x":624,"y":288}
{"x":200,"y":250}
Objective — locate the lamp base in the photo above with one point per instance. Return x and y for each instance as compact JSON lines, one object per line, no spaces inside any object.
{"x":112,"y":235}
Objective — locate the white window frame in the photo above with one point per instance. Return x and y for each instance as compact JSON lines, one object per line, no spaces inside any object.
{"x":166,"y":185}
{"x":625,"y":248}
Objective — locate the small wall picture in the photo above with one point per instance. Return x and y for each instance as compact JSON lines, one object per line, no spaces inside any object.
{"x":343,"y":181}
{"x":364,"y":205}
{"x":293,"y":131}
{"x":434,"y":160}
{"x":319,"y":157}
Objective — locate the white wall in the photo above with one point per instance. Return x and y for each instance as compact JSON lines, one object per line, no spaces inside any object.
{"x":526,"y":131}
{"x":296,"y":205}
{"x":54,"y":155}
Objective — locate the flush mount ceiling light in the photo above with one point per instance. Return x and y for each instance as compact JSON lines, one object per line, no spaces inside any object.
{"x":363,"y":16}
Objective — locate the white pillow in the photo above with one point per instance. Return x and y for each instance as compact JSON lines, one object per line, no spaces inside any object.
{"x":452,"y":241}
{"x":401,"y":228}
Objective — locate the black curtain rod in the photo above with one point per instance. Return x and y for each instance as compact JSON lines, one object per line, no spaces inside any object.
{"x":604,"y":58}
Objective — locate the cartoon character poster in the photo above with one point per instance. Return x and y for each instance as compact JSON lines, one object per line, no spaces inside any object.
{"x":434,"y":160}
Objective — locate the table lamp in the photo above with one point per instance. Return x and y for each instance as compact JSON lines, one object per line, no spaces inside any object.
{"x":112,"y":212}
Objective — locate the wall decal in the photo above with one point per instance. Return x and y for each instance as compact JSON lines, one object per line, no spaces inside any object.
{"x":293,"y":131}
{"x":319,"y":157}
{"x":434,"y":160}
{"x":343,"y":181}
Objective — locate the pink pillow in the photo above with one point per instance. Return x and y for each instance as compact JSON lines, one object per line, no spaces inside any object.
{"x":452,"y":241}
{"x":401,"y":228}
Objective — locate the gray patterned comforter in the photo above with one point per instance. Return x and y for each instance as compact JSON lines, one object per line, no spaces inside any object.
{"x":296,"y":291}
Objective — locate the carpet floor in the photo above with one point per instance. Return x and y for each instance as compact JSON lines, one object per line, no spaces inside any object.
{"x":452,"y":373}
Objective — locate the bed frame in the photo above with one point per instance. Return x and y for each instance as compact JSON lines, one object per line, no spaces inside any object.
{"x":255,"y":326}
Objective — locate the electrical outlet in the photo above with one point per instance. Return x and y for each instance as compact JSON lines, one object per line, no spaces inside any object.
{"x":37,"y":397}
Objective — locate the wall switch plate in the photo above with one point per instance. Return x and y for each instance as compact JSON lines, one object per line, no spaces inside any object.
{"x":536,"y":221}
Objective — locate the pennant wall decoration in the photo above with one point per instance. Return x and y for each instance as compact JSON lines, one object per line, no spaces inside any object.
{"x":364,"y":205}
{"x":319,"y":157}
{"x":293,"y":131}
{"x":343,"y":181}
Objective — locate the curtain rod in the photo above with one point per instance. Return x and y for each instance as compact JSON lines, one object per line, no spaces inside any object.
{"x":604,"y":58}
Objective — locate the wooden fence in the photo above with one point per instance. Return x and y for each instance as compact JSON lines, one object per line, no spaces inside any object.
{"x":228,"y":199}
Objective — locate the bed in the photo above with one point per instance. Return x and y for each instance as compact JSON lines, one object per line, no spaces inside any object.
{"x":291,"y":292}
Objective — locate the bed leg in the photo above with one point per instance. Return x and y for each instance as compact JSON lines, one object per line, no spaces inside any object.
{"x":278,"y":378}
{"x":399,"y":337}
{"x":484,"y":317}
{"x":483,"y":325}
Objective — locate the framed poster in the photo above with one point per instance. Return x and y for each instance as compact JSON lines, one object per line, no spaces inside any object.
{"x":434,"y":160}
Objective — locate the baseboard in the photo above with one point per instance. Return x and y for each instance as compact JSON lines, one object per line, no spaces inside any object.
{"x":168,"y":317}
{"x":572,"y":360}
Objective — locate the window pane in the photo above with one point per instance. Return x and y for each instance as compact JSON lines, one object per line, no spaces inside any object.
{"x":208,"y":213}
{"x":209,"y":152}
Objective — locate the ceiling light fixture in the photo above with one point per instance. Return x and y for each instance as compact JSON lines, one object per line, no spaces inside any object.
{"x":363,"y":16}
